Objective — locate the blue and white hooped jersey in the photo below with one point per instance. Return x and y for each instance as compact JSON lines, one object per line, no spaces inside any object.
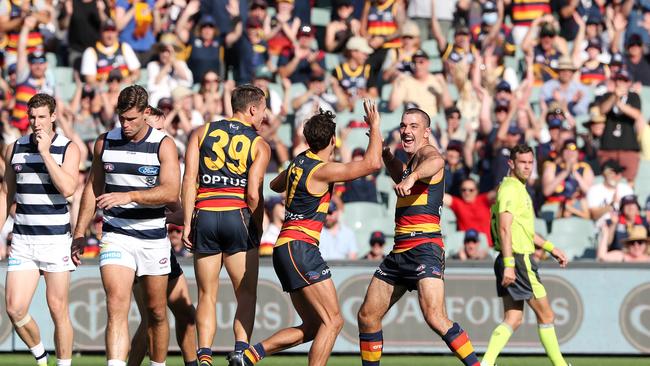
{"x":133,"y":166}
{"x":41,"y":211}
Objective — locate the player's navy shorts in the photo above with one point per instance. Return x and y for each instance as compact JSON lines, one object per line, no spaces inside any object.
{"x":230,"y":232}
{"x":407,"y":268}
{"x":299,"y":264}
{"x":527,"y":283}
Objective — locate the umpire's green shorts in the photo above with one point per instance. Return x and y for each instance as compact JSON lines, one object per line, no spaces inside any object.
{"x":527,"y":284}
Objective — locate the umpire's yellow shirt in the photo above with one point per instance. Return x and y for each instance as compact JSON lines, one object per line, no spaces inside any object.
{"x":512,"y":197}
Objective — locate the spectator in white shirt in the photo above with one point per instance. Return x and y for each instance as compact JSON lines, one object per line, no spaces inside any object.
{"x":167,"y":72}
{"x":603,"y":198}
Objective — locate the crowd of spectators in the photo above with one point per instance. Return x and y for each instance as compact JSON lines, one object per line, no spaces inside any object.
{"x":566,"y":76}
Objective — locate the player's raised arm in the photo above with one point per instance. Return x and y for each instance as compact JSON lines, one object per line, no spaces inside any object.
{"x":428,"y":163}
{"x":371,"y":162}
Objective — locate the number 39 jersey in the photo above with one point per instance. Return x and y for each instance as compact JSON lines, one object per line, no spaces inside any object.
{"x":227,"y":150}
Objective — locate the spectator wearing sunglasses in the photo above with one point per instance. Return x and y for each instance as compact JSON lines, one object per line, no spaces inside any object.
{"x":634,"y":251}
{"x":472,"y":209}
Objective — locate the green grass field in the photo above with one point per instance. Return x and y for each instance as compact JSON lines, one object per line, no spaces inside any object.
{"x":95,"y":360}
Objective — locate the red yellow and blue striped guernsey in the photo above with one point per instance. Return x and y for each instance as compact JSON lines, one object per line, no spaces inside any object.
{"x":305,"y":211}
{"x":417,"y":216}
{"x":382,"y":21}
{"x":227,"y":149}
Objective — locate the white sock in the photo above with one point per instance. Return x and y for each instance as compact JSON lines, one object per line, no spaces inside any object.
{"x":39,"y":354}
{"x":154,"y":363}
{"x":60,"y":362}
{"x":115,"y":363}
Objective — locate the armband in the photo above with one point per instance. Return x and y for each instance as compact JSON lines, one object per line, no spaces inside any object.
{"x":548,"y":246}
{"x":509,"y":262}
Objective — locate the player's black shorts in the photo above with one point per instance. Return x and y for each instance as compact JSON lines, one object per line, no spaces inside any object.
{"x":527,"y":283}
{"x":299,"y":264}
{"x":230,"y":232}
{"x":407,"y":268}
{"x":176,"y":270}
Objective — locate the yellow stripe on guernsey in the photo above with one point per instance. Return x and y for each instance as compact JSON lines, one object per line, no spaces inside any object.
{"x":425,"y":228}
{"x":217,"y":194}
{"x":412,"y":200}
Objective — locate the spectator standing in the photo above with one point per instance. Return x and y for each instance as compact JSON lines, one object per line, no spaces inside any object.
{"x":381,"y":25}
{"x":472,"y":209}
{"x":545,"y":46}
{"x":109,"y":54}
{"x":29,"y":83}
{"x":636,"y":61}
{"x":208,"y":43}
{"x":284,"y":28}
{"x":592,"y":139}
{"x":456,"y":171}
{"x":457,"y":52}
{"x":83,"y":20}
{"x":524,"y":13}
{"x":353,"y":75}
{"x":253,"y":51}
{"x":400,"y":60}
{"x":619,"y":142}
{"x":275,"y":212}
{"x":138,"y":23}
{"x":621,"y":224}
{"x":341,"y":29}
{"x":636,"y":248}
{"x":423,"y":89}
{"x":471,"y":250}
{"x":337,"y":241}
{"x":298,"y":63}
{"x":13,"y":16}
{"x":317,"y":96}
{"x":603,"y":198}
{"x":566,"y":90}
{"x":377,"y":242}
{"x":209,"y":100}
{"x":167,"y":72}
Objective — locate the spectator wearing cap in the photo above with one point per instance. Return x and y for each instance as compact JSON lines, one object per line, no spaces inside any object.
{"x":138,"y":23}
{"x":299,"y":63}
{"x":545,"y":46}
{"x":593,"y":71}
{"x":337,"y":241}
{"x":30,"y":80}
{"x":353,"y":75}
{"x":456,"y":171}
{"x":377,"y":242}
{"x":257,"y":48}
{"x":274,"y":209}
{"x":595,"y":129}
{"x":471,"y":250}
{"x":603,"y":198}
{"x":363,"y":189}
{"x":491,"y":137}
{"x":471,"y":208}
{"x":14,"y":16}
{"x":400,"y":60}
{"x":570,"y":93}
{"x":109,"y":54}
{"x":569,"y":27}
{"x":318,"y":96}
{"x":491,"y":31}
{"x":559,"y":129}
{"x":423,"y":89}
{"x":525,"y":15}
{"x":453,"y":129}
{"x":343,"y":27}
{"x":167,"y":72}
{"x":206,"y":41}
{"x":82,"y":20}
{"x":566,"y":177}
{"x":457,"y":52}
{"x":621,"y":224}
{"x":284,"y":26}
{"x":635,"y":248}
{"x":619,"y":142}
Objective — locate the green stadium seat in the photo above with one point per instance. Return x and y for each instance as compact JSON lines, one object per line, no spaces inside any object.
{"x":320,"y":17}
{"x":65,"y":85}
{"x":573,"y":235}
{"x":453,"y":241}
{"x":541,"y":227}
{"x":266,"y":190}
{"x":645,"y":95}
{"x":364,"y":218}
{"x":548,"y":212}
{"x":51,"y":59}
{"x":448,"y":220}
{"x":332,"y":60}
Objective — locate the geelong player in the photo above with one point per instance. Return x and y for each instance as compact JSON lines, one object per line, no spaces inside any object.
{"x":41,"y":173}
{"x":417,"y":261}
{"x":517,"y":278}
{"x":178,"y":293}
{"x":223,"y":209}
{"x":297,"y":260}
{"x":135,"y":173}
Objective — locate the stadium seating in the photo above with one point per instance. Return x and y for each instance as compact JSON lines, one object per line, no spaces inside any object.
{"x":573,"y":235}
{"x":364,"y":218}
{"x":642,"y":186}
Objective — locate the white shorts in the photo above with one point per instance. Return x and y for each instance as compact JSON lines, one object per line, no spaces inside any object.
{"x":145,"y":257}
{"x":44,"y":257}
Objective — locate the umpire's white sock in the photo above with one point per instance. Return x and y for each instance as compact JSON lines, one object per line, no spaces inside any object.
{"x":60,"y":362}
{"x":115,"y":363}
{"x":154,"y":363}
